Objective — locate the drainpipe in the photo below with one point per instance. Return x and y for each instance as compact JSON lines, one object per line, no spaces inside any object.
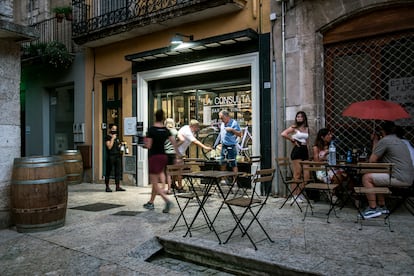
{"x":283,"y":73}
{"x":93,"y":118}
{"x":275,"y":146}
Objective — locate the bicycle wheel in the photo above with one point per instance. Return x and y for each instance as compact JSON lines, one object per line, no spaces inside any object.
{"x":246,"y":148}
{"x":209,"y":141}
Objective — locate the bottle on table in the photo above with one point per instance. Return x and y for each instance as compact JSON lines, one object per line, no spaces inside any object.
{"x":363,"y":155}
{"x":349,"y":157}
{"x":332,"y":154}
{"x":355,"y":156}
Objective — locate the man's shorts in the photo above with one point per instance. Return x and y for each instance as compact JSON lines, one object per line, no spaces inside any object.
{"x":229,"y":152}
{"x":383,"y":180}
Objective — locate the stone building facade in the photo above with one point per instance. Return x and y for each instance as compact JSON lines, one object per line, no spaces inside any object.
{"x":329,"y":53}
{"x":10,"y":36}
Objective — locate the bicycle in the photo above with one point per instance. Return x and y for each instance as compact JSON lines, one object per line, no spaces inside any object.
{"x":244,"y":146}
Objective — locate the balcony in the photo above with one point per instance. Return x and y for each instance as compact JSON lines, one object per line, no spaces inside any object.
{"x":52,"y":33}
{"x":98,"y":23}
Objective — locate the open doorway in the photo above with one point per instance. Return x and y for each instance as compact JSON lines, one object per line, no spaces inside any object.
{"x":112,"y":113}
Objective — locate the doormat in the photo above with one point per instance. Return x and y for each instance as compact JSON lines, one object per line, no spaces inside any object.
{"x":127,"y":213}
{"x":96,"y":207}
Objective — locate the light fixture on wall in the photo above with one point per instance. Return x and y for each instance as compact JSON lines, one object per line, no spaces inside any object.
{"x":179,"y":39}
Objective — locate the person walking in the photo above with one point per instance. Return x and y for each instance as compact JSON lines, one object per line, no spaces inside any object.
{"x":113,"y":158}
{"x":158,"y":159}
{"x":298,"y":135}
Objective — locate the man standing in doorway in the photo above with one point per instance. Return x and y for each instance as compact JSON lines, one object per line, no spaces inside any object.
{"x":229,"y":132}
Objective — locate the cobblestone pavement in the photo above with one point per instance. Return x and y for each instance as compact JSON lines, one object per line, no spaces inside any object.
{"x":118,"y":241}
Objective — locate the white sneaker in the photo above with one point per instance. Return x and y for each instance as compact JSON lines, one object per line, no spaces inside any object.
{"x":384,"y":210}
{"x":300,"y":199}
{"x":223,"y":182}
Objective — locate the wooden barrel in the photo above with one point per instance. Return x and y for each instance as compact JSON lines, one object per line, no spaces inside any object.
{"x":73,"y":166}
{"x":39,"y":193}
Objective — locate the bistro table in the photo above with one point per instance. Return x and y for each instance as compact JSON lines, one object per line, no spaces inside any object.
{"x":213,"y":178}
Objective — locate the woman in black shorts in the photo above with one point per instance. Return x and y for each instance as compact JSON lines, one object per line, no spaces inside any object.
{"x":298,"y":135}
{"x":158,"y":159}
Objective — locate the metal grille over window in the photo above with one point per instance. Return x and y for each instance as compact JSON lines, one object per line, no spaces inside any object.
{"x":366,"y":69}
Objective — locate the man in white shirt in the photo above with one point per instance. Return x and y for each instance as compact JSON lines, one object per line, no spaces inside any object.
{"x":186,"y":138}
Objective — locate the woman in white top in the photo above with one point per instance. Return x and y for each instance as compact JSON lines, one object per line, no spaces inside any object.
{"x":320,"y":154}
{"x":298,"y":135}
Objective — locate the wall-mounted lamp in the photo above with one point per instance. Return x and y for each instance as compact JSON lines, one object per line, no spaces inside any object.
{"x":178,"y":38}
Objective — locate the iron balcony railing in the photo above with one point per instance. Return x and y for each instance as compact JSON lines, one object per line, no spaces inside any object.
{"x":50,"y":30}
{"x":91,"y":16}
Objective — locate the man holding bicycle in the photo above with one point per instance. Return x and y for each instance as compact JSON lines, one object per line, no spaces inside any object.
{"x":229,"y":132}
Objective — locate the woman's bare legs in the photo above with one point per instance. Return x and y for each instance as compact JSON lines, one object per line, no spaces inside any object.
{"x":297,"y":175}
{"x":156,"y":180}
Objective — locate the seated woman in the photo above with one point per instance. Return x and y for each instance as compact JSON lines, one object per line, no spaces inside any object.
{"x":320,"y":154}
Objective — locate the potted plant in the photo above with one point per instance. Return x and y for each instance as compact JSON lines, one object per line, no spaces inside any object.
{"x":68,"y":13}
{"x":59,"y":13}
{"x":57,"y":55}
{"x":63,"y":12}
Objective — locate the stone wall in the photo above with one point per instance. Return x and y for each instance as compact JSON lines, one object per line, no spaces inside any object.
{"x":6,"y":10}
{"x":304,"y":20}
{"x":9,"y":121}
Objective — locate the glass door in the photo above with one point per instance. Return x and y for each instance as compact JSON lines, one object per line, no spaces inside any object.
{"x":61,"y":119}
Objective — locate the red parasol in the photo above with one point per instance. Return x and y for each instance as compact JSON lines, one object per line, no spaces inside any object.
{"x":376,"y":110}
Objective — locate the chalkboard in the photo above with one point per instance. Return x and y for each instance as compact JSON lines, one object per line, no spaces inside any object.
{"x":130,"y":164}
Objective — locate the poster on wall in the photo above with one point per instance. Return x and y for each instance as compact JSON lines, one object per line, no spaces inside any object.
{"x":130,"y":126}
{"x":401,"y":90}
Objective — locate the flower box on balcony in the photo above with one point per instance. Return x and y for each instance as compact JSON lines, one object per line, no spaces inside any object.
{"x":63,"y":12}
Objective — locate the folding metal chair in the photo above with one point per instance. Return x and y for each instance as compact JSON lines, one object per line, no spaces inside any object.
{"x":311,"y":167}
{"x":402,"y":196}
{"x":176,"y":171}
{"x":364,"y":168}
{"x":286,"y":174}
{"x":252,"y":205}
{"x":246,"y":177}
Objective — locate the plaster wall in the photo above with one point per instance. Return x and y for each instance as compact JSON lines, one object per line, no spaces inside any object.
{"x":110,"y":59}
